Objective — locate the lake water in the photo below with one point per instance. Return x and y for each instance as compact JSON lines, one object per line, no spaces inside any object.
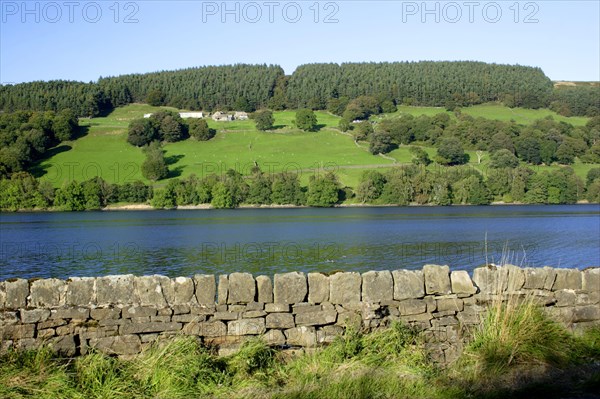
{"x":268,"y":241}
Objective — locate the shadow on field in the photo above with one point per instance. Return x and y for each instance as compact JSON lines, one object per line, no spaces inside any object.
{"x":173,"y":159}
{"x":175,"y":172}
{"x":38,"y":170}
{"x":81,"y":132}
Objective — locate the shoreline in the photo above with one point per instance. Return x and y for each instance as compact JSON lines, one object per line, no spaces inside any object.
{"x":148,"y":207}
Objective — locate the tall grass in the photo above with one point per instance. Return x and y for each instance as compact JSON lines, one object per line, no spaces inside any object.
{"x":519,"y":333}
{"x":34,"y":374}
{"x":387,"y":363}
{"x":102,"y":377}
{"x":180,"y":368}
{"x":518,"y":347}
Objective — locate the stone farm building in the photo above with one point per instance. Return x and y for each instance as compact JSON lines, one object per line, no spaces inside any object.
{"x":221,"y":117}
{"x":240,"y":115}
{"x":196,"y":115}
{"x":184,"y":115}
{"x":217,"y":116}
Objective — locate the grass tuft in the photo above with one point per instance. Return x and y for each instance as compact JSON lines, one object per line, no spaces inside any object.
{"x":255,"y":358}
{"x":178,"y":368}
{"x":519,"y":334}
{"x":102,"y":377}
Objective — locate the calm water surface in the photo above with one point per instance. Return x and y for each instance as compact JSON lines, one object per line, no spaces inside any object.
{"x":183,"y":243}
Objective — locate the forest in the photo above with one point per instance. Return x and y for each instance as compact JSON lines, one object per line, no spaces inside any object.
{"x":250,"y":87}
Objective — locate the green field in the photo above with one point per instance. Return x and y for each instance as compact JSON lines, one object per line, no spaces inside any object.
{"x":520,"y":115}
{"x":238,"y":145}
{"x":104,"y":151}
{"x":493,"y":111}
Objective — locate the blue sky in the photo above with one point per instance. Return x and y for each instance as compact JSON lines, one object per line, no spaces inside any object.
{"x":83,"y":40}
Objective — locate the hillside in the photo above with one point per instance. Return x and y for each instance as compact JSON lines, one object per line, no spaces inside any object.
{"x":237,"y":145}
{"x":523,"y":116}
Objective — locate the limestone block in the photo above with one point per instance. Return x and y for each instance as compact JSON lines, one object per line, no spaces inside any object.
{"x":318,"y":288}
{"x":119,"y":345}
{"x":377,"y":286}
{"x":316,"y":318}
{"x":290,"y":288}
{"x":34,"y":315}
{"x":408,"y":284}
{"x":205,"y":289}
{"x":264,"y":286}
{"x":246,"y":327}
{"x":115,"y":290}
{"x":437,"y":279}
{"x":344,"y":288}
{"x":242,"y":288}
{"x":274,"y":338}
{"x":17,"y":291}
{"x":151,"y":327}
{"x":81,"y":291}
{"x":301,"y":336}
{"x":180,"y":291}
{"x":567,"y":279}
{"x":148,"y":290}
{"x":461,"y":282}
{"x":280,"y":320}
{"x":412,"y":307}
{"x":213,"y":328}
{"x":591,"y":280}
{"x":222,"y":290}
{"x":47,"y":293}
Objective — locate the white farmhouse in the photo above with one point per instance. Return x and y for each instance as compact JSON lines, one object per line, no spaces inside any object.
{"x":195,"y":115}
{"x":185,"y":115}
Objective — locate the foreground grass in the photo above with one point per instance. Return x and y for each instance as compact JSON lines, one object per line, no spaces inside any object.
{"x":517,"y":352}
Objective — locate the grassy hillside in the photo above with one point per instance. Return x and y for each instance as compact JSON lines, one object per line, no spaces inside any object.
{"x":522,"y":116}
{"x":103,"y":150}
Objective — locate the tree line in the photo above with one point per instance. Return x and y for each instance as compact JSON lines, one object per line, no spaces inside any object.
{"x":250,"y":87}
{"x":404,"y":185}
{"x":421,"y":83}
{"x":232,"y":189}
{"x":85,"y":99}
{"x":23,"y":191}
{"x":416,"y":184}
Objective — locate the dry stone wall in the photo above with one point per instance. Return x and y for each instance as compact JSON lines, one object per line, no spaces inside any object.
{"x":123,"y":314}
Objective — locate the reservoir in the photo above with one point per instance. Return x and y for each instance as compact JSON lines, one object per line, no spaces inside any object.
{"x":268,"y":241}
